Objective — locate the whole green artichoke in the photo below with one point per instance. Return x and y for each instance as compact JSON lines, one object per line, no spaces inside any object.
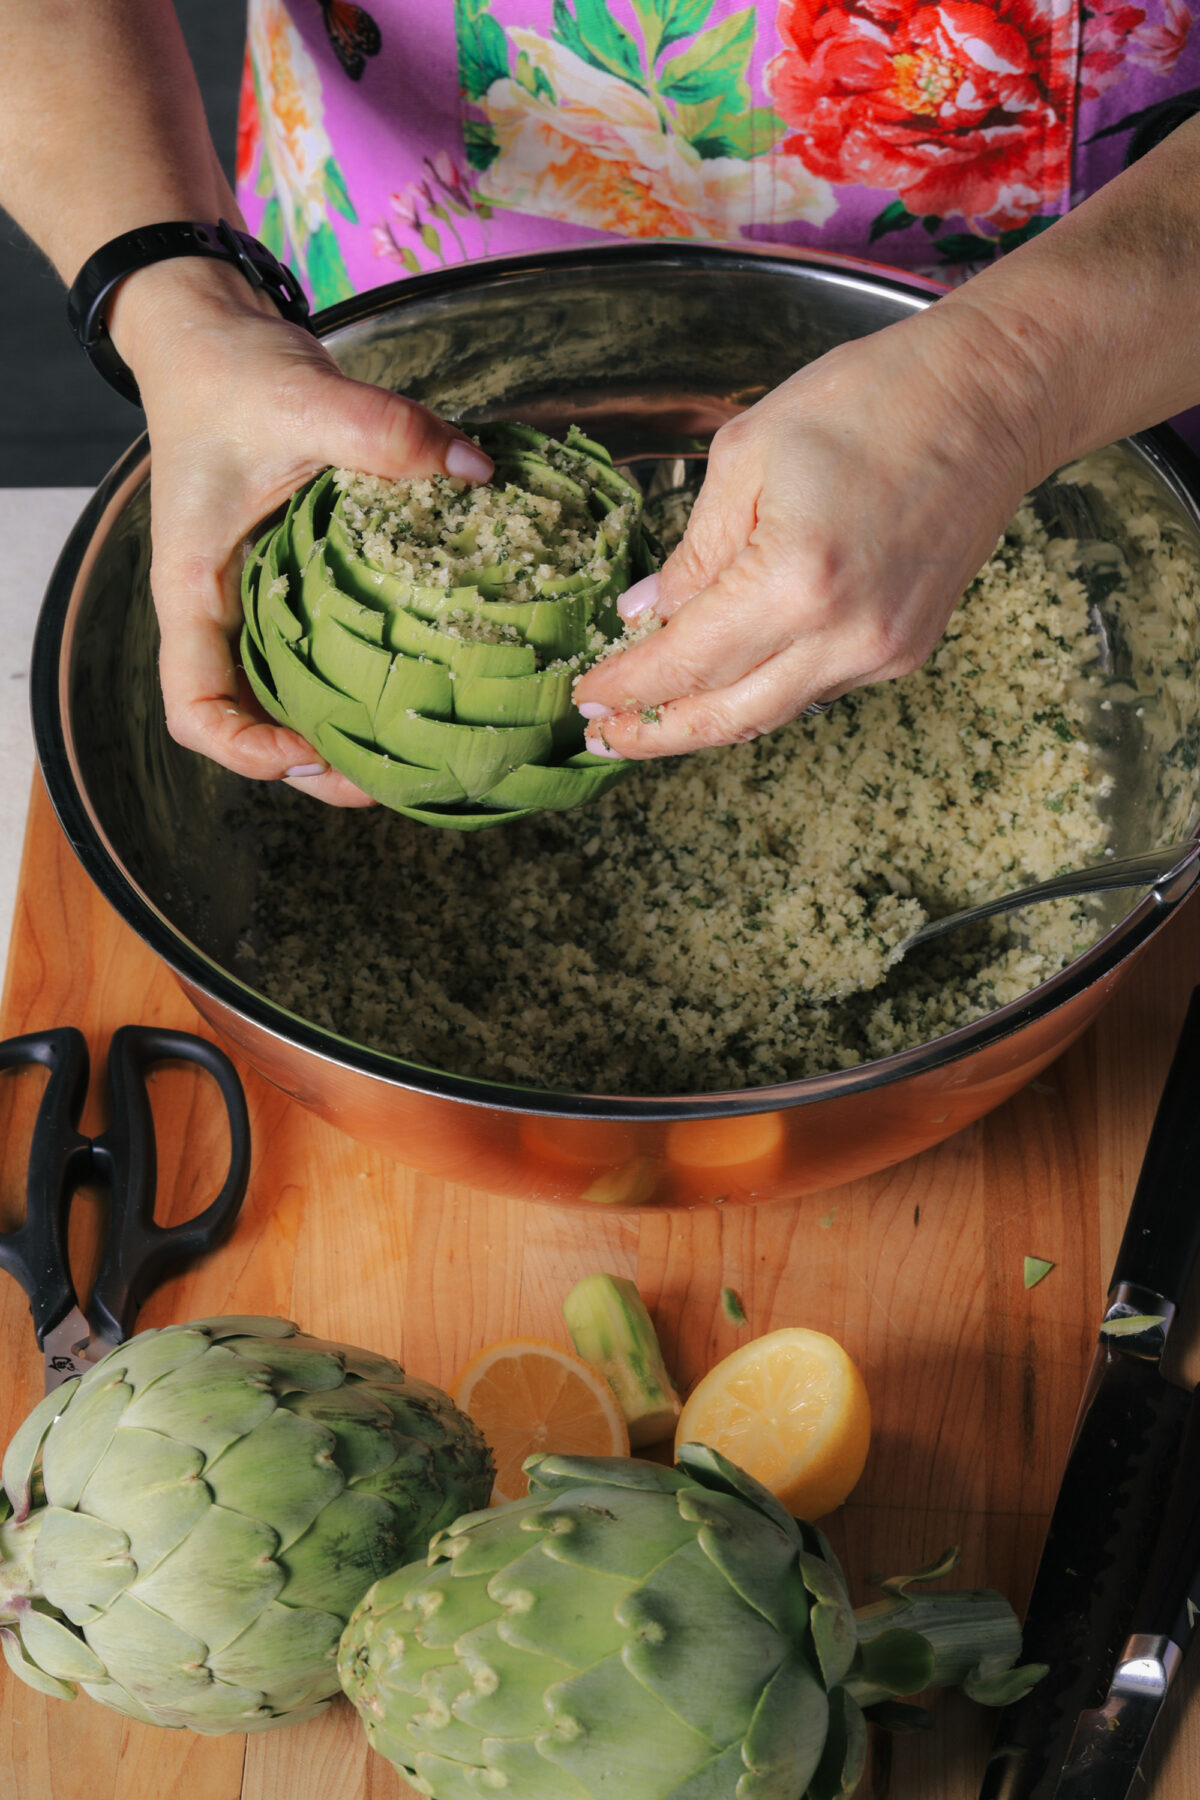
{"x":424,"y":636}
{"x":194,"y":1520}
{"x":647,"y":1632}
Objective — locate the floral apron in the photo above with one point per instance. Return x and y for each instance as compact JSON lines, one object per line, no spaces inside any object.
{"x":402,"y":135}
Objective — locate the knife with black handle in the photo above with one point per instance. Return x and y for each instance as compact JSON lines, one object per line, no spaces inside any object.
{"x":1108,"y":1563}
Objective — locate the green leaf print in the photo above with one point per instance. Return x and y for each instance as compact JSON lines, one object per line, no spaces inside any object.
{"x":535,"y":81}
{"x":664,"y":22}
{"x":271,"y":230}
{"x":895,"y":217}
{"x":480,"y":143}
{"x":336,"y":191}
{"x":965,"y":247}
{"x":714,"y":63}
{"x":264,"y":185}
{"x":1022,"y":233}
{"x":482,"y":49}
{"x":592,"y":33}
{"x":431,"y":240}
{"x":746,"y":135}
{"x":327,"y":277}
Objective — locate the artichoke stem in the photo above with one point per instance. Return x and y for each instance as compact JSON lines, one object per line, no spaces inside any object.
{"x":17,"y":1583}
{"x":972,"y":1631}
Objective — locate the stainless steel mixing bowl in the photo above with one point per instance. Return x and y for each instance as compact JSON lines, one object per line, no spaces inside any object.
{"x":649,"y":347}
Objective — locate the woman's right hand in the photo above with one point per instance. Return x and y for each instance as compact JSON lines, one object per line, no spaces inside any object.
{"x":243,"y":407}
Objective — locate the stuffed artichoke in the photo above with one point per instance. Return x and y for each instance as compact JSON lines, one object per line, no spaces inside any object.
{"x":636,"y":1630}
{"x":194,"y":1520}
{"x":424,"y":636}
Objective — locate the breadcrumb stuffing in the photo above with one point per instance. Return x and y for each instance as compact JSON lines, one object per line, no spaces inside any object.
{"x":729,"y":919}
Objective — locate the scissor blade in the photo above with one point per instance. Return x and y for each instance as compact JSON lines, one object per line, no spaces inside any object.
{"x":1098,"y":1549}
{"x":69,"y":1349}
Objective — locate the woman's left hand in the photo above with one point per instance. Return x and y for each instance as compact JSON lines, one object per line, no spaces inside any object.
{"x":840,"y":520}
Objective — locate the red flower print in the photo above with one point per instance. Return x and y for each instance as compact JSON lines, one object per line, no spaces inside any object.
{"x":1106,"y":44}
{"x":960,"y":107}
{"x":1159,"y":47}
{"x":248,"y":131}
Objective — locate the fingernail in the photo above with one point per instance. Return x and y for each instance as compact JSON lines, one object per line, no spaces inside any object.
{"x":598,"y":747}
{"x":305,"y":769}
{"x":593,"y":709}
{"x":467,"y":462}
{"x":639,"y":598}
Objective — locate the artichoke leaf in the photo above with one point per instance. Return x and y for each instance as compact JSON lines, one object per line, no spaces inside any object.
{"x":58,"y":1650}
{"x":232,"y":1325}
{"x":676,"y":1615}
{"x":147,"y":1486}
{"x":416,"y":683}
{"x":755,"y":1558}
{"x":258,"y":674}
{"x":512,"y":700}
{"x":81,"y":1434}
{"x":360,"y":1422}
{"x":546,"y":788}
{"x":496,"y":1690}
{"x":477,"y":756}
{"x":561,"y":1610}
{"x":147,"y":1654}
{"x":148,"y":1356}
{"x":309,"y":701}
{"x":347,"y":1547}
{"x":550,"y":1473}
{"x":307,"y":1367}
{"x":528,"y":1774}
{"x":28,"y":1671}
{"x":320,"y":595}
{"x":447,"y":1604}
{"x":604,"y":1720}
{"x":505,"y":661}
{"x":616,"y":1531}
{"x":786,"y":1739}
{"x":311,"y":516}
{"x":400,"y":785}
{"x":348,"y":662}
{"x":21,"y":1457}
{"x":461,"y":821}
{"x":297,"y":1644}
{"x":282,"y":1474}
{"x":835,"y":1635}
{"x":712,"y":1470}
{"x":81,"y":1565}
{"x":208,"y":1405}
{"x":844,"y":1758}
{"x":216,"y":1582}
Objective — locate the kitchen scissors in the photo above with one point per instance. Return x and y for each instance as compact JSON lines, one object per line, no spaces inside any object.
{"x":137,"y":1253}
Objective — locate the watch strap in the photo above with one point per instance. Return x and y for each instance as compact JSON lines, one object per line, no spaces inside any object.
{"x":134,"y":250}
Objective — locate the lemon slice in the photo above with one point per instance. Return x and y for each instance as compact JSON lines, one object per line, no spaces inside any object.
{"x":527,"y":1395}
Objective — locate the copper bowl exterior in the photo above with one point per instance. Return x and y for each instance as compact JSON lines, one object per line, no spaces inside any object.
{"x":651,"y":347}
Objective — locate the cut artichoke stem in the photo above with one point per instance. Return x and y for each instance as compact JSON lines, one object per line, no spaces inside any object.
{"x":401,"y":621}
{"x":970,"y":1633}
{"x":611,"y":1329}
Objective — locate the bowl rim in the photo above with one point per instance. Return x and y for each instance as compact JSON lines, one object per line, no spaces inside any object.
{"x":1166,"y":453}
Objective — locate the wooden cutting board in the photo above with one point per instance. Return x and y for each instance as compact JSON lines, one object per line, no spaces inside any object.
{"x":974,"y":1381}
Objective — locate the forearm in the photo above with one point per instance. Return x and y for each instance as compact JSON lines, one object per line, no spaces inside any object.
{"x":102,"y":127}
{"x":1099,"y":317}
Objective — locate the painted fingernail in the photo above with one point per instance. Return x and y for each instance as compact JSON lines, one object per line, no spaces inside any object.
{"x":593,"y":709}
{"x":640,"y":598}
{"x":468,"y":463}
{"x":302,"y":769}
{"x":598,"y":747}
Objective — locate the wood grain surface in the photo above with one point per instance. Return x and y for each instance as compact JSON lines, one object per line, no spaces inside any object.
{"x":974,"y":1381}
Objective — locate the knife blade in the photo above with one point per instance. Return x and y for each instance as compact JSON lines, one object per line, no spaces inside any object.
{"x":1109,"y":1740}
{"x":1126,"y":1444}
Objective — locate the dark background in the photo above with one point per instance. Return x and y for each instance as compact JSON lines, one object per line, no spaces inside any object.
{"x":60,"y":424}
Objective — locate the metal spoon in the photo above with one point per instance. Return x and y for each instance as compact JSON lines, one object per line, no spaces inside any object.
{"x":1153,"y":868}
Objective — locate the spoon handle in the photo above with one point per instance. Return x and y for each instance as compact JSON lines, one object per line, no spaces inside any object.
{"x":1151,"y":869}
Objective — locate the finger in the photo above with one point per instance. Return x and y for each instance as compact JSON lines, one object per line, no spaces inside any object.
{"x":719,"y":636}
{"x":206,"y":712}
{"x":721,"y":522}
{"x":384,"y":434}
{"x":771,"y":695}
{"x":331,"y":786}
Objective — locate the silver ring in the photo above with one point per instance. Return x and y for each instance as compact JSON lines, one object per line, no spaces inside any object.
{"x":816,"y":709}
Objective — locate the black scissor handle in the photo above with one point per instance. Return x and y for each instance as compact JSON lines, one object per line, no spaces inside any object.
{"x":59,"y":1159}
{"x":139,"y":1253}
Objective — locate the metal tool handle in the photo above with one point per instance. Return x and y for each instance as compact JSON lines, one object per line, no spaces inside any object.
{"x":1169,"y":1605}
{"x":1162,"y":1234}
{"x":140,"y":1253}
{"x":37,"y":1253}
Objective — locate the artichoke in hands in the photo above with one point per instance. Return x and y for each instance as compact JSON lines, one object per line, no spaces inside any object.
{"x":424,"y":636}
{"x":195,"y":1519}
{"x":642,"y":1631}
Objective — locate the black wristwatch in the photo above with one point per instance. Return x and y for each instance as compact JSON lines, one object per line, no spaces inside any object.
{"x":135,"y":250}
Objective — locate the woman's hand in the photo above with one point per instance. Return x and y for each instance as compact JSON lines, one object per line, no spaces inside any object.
{"x":840,"y":520}
{"x":241,"y":409}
